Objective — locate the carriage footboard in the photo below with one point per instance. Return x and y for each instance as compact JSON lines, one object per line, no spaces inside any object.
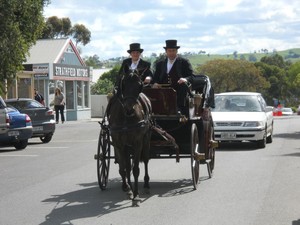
{"x":168,"y":140}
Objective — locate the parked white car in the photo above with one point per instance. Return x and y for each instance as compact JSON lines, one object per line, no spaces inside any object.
{"x":242,"y":116}
{"x":287,"y":111}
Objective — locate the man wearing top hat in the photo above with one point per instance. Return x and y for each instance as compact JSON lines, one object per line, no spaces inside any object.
{"x":176,"y":71}
{"x":136,"y":63}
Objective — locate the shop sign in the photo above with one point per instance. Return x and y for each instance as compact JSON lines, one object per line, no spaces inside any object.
{"x":69,"y":71}
{"x":40,"y":70}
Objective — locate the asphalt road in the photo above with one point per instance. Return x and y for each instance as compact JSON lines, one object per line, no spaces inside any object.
{"x":56,"y":183}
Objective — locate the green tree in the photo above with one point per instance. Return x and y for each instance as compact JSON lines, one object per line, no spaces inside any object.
{"x":102,"y":86}
{"x":55,"y":26}
{"x":66,"y":26}
{"x":294,"y":83}
{"x":21,"y":25}
{"x":233,"y":75}
{"x":252,"y":58}
{"x":93,"y":61}
{"x":81,"y":34}
{"x":106,"y":82}
{"x":276,"y":76}
{"x":275,"y":60}
{"x":62,"y":27}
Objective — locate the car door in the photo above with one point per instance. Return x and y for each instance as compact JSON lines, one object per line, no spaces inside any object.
{"x":268,"y":112}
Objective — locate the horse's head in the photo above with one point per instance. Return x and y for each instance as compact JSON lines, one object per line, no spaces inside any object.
{"x":131,"y":86}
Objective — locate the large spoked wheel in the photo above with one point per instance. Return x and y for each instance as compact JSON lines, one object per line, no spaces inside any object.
{"x":103,"y":158}
{"x":209,"y":146}
{"x":195,"y":164}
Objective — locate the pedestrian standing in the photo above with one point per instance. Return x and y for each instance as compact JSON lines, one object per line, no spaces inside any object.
{"x":38,"y":97}
{"x":59,"y":105}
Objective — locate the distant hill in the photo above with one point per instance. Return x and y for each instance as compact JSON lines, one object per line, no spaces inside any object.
{"x":292,"y":55}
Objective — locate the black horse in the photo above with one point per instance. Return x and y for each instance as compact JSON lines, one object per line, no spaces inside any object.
{"x":129,"y":120}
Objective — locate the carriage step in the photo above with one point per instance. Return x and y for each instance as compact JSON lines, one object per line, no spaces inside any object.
{"x":199,"y":156}
{"x":214,"y":144}
{"x":96,"y":156}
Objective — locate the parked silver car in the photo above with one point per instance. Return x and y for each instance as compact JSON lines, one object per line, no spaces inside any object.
{"x":242,"y":116}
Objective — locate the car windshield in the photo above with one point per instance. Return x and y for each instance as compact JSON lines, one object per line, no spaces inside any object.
{"x":287,"y":110}
{"x":237,"y":103}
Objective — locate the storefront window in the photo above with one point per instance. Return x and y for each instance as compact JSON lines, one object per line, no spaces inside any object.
{"x":39,"y":85}
{"x":51,"y":92}
{"x":69,"y":95}
{"x":60,"y":85}
{"x":52,"y":85}
{"x":24,"y":88}
{"x":86,"y":94}
{"x":79,"y":94}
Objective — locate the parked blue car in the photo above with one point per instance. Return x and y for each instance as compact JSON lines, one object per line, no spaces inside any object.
{"x":17,"y":130}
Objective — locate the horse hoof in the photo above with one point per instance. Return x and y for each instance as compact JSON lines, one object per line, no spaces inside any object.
{"x":130,"y":195}
{"x":136,"y":202}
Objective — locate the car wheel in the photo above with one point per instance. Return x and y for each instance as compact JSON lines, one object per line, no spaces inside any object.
{"x":21,"y":144}
{"x":47,"y":138}
{"x":270,"y":138}
{"x":262,"y":143}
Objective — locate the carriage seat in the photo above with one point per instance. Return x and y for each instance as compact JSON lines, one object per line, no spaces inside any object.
{"x":163,"y":100}
{"x":201,"y":84}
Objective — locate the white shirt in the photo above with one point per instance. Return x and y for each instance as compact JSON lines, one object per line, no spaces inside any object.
{"x":134,"y":65}
{"x":170,"y":64}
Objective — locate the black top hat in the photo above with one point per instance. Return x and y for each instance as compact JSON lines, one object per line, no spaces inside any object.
{"x":135,"y":47}
{"x":171,"y":44}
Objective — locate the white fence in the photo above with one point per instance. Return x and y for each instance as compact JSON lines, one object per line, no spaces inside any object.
{"x":98,"y":105}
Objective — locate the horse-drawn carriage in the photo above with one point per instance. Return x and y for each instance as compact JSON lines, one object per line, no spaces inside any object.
{"x":162,"y":130}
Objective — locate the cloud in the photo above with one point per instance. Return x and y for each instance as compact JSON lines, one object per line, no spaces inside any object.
{"x":216,"y":26}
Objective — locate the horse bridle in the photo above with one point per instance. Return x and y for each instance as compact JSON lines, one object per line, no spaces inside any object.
{"x":133,"y":73}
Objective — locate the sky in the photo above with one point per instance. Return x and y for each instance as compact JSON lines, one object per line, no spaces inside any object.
{"x":213,"y":26}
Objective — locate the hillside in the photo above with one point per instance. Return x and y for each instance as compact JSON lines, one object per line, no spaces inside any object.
{"x":292,"y":55}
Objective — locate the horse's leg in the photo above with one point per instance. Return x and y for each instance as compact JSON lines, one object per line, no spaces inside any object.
{"x":146,"y":156}
{"x":146,"y":177}
{"x":136,"y":172}
{"x":122,"y":169}
{"x":128,"y":171}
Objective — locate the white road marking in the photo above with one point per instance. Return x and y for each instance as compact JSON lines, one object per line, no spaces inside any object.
{"x":18,"y":155}
{"x":46,"y":147}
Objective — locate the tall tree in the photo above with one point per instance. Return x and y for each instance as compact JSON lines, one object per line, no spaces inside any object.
{"x":62,"y":27}
{"x":233,"y":75}
{"x":81,"y":34}
{"x":66,"y":26}
{"x":20,"y":26}
{"x":106,"y":82}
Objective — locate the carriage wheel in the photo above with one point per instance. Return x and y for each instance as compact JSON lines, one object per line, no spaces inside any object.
{"x":195,"y":164}
{"x":209,"y":146}
{"x":103,"y":158}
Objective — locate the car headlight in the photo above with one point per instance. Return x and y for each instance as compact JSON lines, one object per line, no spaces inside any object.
{"x":253,"y":124}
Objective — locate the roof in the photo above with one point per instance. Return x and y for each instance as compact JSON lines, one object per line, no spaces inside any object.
{"x":238,"y":93}
{"x":50,"y":51}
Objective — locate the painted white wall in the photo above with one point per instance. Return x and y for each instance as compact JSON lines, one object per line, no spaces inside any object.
{"x":98,"y":105}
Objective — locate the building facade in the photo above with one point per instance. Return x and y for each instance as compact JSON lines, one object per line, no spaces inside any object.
{"x":56,"y":63}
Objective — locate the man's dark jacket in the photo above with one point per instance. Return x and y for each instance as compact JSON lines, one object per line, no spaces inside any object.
{"x":143,"y":68}
{"x":182,"y":68}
